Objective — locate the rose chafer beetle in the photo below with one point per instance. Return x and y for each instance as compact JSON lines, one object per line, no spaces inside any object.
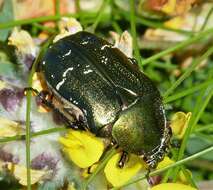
{"x":98,"y":88}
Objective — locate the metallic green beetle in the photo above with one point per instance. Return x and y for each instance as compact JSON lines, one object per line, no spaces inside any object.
{"x":97,"y":87}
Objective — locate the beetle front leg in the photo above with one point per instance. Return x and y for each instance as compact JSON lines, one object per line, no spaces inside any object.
{"x":44,"y":96}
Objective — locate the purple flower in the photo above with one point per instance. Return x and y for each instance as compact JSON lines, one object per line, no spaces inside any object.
{"x":10,"y":98}
{"x":44,"y":160}
{"x":8,"y":157}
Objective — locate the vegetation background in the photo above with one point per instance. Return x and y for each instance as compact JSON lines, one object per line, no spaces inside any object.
{"x":172,"y":42}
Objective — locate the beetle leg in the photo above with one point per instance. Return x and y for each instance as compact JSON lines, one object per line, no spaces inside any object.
{"x":44,"y":96}
{"x":123,"y":159}
{"x":147,"y":174}
{"x":32,"y":90}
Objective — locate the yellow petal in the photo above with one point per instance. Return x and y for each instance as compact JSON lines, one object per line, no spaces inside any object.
{"x":36,"y":82}
{"x":165,"y":162}
{"x":179,"y":123}
{"x":172,"y":186}
{"x":2,"y":84}
{"x":68,"y":26}
{"x":82,"y":147}
{"x":20,"y":173}
{"x":71,"y":186}
{"x":23,"y":41}
{"x":119,"y":176}
{"x":9,"y":128}
{"x":169,"y":7}
{"x":182,"y":177}
{"x":175,"y":23}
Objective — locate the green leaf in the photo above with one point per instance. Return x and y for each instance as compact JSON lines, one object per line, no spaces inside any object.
{"x":6,"y":15}
{"x":197,"y":144}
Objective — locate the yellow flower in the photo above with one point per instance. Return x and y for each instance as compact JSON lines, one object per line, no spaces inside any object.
{"x":71,"y":186}
{"x":119,"y":176}
{"x":172,"y":186}
{"x":20,"y":173}
{"x":82,"y":147}
{"x":165,"y":162}
{"x":169,"y":7}
{"x":67,"y":26}
{"x":2,"y":84}
{"x":179,"y":123}
{"x":9,"y":128}
{"x":23,"y":41}
{"x":182,"y":177}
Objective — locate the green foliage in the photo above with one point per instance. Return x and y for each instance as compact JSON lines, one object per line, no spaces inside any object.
{"x":6,"y":15}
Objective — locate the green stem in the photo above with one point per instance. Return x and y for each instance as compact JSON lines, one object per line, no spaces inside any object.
{"x":207,"y":18}
{"x":40,"y":19}
{"x":188,"y":72}
{"x":188,"y":177}
{"x":133,"y":31}
{"x":204,"y":128}
{"x":179,"y":46}
{"x":162,"y":65}
{"x":44,"y":28}
{"x":102,"y":164}
{"x":57,"y":8}
{"x":178,"y":163}
{"x":186,"y":92}
{"x":149,"y":23}
{"x":193,"y":121}
{"x":99,"y":16}
{"x":32,"y":135}
{"x":28,"y":111}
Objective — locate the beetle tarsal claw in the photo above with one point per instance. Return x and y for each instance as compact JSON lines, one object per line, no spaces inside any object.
{"x":123,"y":159}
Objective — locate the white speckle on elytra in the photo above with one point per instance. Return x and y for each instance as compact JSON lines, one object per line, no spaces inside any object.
{"x":84,"y":42}
{"x":43,"y":63}
{"x":88,"y":71}
{"x":65,"y":72}
{"x":60,"y":83}
{"x":104,"y":46}
{"x":66,"y":54}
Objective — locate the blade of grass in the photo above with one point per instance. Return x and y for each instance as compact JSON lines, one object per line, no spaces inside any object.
{"x":44,"y":19}
{"x":187,"y":92}
{"x":200,"y":107}
{"x":103,"y":162}
{"x":207,"y":18}
{"x":133,"y":31}
{"x":188,"y":177}
{"x":180,"y":45}
{"x":32,"y":135}
{"x":99,"y":16}
{"x":159,"y":171}
{"x":57,"y":8}
{"x":143,"y":21}
{"x":204,"y":128}
{"x":28,"y":111}
{"x":162,"y":65}
{"x":149,"y":23}
{"x":188,"y":72}
{"x":44,"y":28}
